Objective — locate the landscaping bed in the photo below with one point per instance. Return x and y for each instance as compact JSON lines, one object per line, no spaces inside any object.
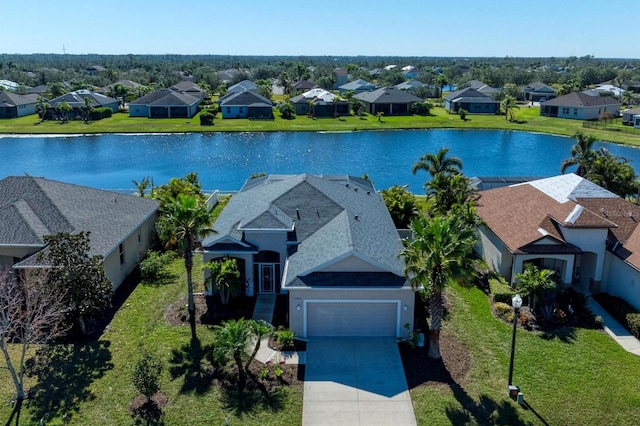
{"x":209,"y":310}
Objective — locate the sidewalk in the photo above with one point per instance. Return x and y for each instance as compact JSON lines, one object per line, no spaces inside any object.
{"x":614,"y":329}
{"x":263,"y":310}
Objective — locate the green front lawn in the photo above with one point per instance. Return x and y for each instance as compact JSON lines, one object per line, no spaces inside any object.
{"x":528,"y":119}
{"x":572,"y":377}
{"x":92,"y":382}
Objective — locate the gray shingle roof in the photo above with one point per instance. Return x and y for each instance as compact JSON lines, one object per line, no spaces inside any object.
{"x":358,"y":85}
{"x":244,"y":99}
{"x":13,"y":99}
{"x":242,"y":86}
{"x":32,"y":207}
{"x":469,"y":94}
{"x":578,"y":99}
{"x":76,"y":99}
{"x":334,"y":217}
{"x":166,"y":97}
{"x":387,"y":95}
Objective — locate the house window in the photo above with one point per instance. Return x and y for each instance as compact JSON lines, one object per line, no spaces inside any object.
{"x":121,"y":251}
{"x":575,"y":111}
{"x":240,"y":110}
{"x":139,"y":235}
{"x":565,"y":110}
{"x":228,"y":110}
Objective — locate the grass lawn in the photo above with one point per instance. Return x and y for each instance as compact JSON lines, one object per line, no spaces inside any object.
{"x":572,"y":377}
{"x":528,"y":119}
{"x":92,"y":382}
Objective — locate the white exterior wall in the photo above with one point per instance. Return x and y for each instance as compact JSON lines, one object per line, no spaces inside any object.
{"x":273,"y":241}
{"x":27,"y":109}
{"x":589,"y":240}
{"x":134,"y":250}
{"x":298,"y":296}
{"x":621,"y":280}
{"x":566,"y":273}
{"x":590,"y":113}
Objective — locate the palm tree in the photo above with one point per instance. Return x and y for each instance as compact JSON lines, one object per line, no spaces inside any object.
{"x":231,"y":341}
{"x":627,"y":97}
{"x":41,"y":107}
{"x":184,"y":221}
{"x":64,"y":109}
{"x":508,"y":104}
{"x":438,"y":255}
{"x":533,"y":282}
{"x":613,"y":172}
{"x":142,"y":185}
{"x":438,"y":163}
{"x":447,"y":191}
{"x":582,"y":154}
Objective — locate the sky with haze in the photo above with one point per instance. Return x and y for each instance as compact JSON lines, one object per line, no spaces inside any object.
{"x":461,"y":28}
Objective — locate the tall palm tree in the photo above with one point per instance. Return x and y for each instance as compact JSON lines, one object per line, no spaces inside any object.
{"x":613,"y":172}
{"x":582,"y":154}
{"x":627,"y":97}
{"x":183,"y":222}
{"x":439,"y":254}
{"x":438,"y":163}
{"x":142,"y":185}
{"x":508,"y":104}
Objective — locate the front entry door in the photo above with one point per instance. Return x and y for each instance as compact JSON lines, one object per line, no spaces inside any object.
{"x":267,"y":278}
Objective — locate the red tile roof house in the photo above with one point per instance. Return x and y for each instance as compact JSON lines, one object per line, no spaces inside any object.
{"x":580,"y":106}
{"x":327,"y":241}
{"x":587,"y":234}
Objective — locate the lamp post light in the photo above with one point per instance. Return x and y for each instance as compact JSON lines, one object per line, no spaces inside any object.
{"x":516,"y":302}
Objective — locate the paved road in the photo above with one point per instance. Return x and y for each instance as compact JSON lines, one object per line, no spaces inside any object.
{"x":355,"y":381}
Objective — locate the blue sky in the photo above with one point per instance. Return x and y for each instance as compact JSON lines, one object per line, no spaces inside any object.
{"x":494,"y":28}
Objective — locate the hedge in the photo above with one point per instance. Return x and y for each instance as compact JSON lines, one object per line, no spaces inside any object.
{"x":623,"y":312}
{"x":100,"y":113}
{"x":500,"y":290}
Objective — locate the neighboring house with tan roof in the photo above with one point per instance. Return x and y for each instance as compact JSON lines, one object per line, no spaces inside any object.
{"x":327,"y":241}
{"x":580,"y":106}
{"x":121,"y":226}
{"x":587,"y":234}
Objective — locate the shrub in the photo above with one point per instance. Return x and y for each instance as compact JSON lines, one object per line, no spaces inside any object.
{"x":633,"y":320}
{"x":154,"y":265}
{"x":503,"y":311}
{"x":100,"y":113}
{"x":598,"y":322}
{"x":146,"y":375}
{"x":206,"y":118}
{"x":463,"y":114}
{"x":284,"y":337}
{"x":500,"y":290}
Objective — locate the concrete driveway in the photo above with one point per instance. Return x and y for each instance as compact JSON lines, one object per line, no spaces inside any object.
{"x":355,"y":381}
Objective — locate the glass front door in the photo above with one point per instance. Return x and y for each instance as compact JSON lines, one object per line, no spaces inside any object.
{"x":267,"y":278}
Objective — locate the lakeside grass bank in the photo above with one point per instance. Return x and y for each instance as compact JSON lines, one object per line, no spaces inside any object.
{"x":528,"y":119}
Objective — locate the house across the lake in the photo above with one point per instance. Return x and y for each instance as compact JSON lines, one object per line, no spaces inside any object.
{"x":327,"y":241}
{"x":13,"y":105}
{"x":164,"y":103}
{"x":580,"y":106}
{"x":472,"y":101}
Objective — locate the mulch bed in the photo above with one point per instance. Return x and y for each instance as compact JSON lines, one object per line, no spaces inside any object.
{"x":422,"y":371}
{"x":209,"y":310}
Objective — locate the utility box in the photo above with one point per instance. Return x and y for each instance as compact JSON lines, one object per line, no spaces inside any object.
{"x":520,"y":398}
{"x":513,"y":392}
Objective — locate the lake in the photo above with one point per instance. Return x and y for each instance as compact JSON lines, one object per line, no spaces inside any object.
{"x":225,"y":160}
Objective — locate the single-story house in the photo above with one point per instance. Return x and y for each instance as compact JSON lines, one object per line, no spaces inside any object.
{"x":131,"y":85}
{"x":324,"y":103}
{"x":246,"y":104}
{"x":327,"y":241}
{"x":410,"y":85}
{"x":481,"y":87}
{"x":77,"y":101}
{"x":121,"y":226}
{"x":342,"y":77}
{"x":412,"y":72}
{"x":243,"y":86}
{"x":303,"y":86}
{"x":13,"y":105}
{"x":189,"y":88}
{"x":41,"y":89}
{"x":636,"y":121}
{"x":568,"y":224}
{"x":9,"y":85}
{"x":627,"y":115}
{"x":388,"y":100}
{"x":471,"y":100}
{"x":538,"y":92}
{"x":580,"y":106}
{"x":606,"y":89}
{"x":164,"y":103}
{"x":357,"y":86}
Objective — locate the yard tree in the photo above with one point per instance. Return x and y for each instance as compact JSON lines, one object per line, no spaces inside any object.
{"x":582,"y":154}
{"x":41,"y":107}
{"x":447,"y":191}
{"x":532,"y":282}
{"x":182,"y":223}
{"x":286,"y":110}
{"x":142,"y":186}
{"x":508,"y":104}
{"x":401,"y":205}
{"x":438,"y":163}
{"x":225,"y":277}
{"x":63,"y":108}
{"x":439,"y":254}
{"x":627,"y":97}
{"x":613,"y":172}
{"x":189,"y":185}
{"x":31,"y":313}
{"x":76,"y":275}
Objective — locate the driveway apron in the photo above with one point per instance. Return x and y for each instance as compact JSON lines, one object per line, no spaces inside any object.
{"x":355,"y":381}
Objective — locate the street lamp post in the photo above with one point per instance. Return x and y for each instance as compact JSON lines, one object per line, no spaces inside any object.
{"x":516,"y":302}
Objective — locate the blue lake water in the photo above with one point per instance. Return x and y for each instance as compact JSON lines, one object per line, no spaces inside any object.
{"x":225,"y":160}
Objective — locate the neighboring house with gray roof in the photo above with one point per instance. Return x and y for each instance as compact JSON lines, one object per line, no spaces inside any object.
{"x":78,"y":103}
{"x":538,"y":92}
{"x":357,"y":86}
{"x":580,"y":106}
{"x":131,"y":85}
{"x":244,"y":85}
{"x":628,"y":114}
{"x":327,"y":241}
{"x":13,"y":105}
{"x":245,"y":104}
{"x":164,"y":103}
{"x":121,"y":226}
{"x":189,"y":88}
{"x":471,"y":100}
{"x":388,"y":100}
{"x":589,"y":236}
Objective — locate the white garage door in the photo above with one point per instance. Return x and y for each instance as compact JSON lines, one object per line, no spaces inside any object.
{"x":363,"y":319}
